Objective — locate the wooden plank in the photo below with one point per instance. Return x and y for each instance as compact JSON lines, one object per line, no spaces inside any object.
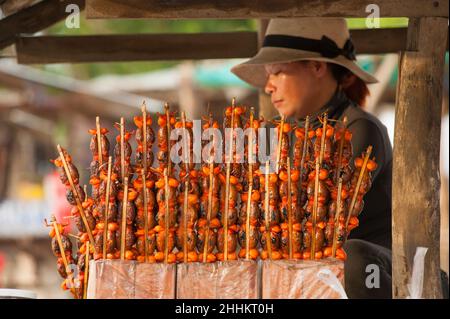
{"x":416,"y":180}
{"x":80,"y":94}
{"x":12,"y":6}
{"x":147,"y":47}
{"x":33,"y":19}
{"x":7,"y":141}
{"x":244,"y":9}
{"x":137,"y":47}
{"x":379,"y":41}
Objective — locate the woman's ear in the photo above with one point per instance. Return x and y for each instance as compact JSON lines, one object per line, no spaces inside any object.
{"x":348,"y":80}
{"x":319,"y":68}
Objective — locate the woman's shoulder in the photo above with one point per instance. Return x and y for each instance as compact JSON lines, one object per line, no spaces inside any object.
{"x":356,"y":114}
{"x":368,"y":130}
{"x":361,"y":120}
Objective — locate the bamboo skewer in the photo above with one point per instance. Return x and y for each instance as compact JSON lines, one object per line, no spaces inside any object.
{"x":227,"y":185}
{"x":316,"y":187}
{"x":358,"y":185}
{"x":322,"y":140}
{"x":144,"y":189}
{"x":122,"y":148}
{"x":210,"y":192}
{"x":314,"y":216}
{"x":124,"y":218}
{"x":280,"y":137}
{"x":291,"y":255}
{"x":341,"y":149}
{"x":144,"y":136}
{"x":185,"y":234}
{"x":75,"y":192}
{"x":61,"y":247}
{"x":208,"y":217}
{"x":166,"y":217}
{"x":186,"y":145}
{"x":186,"y":191}
{"x":60,"y":244}
{"x":99,"y":140}
{"x":166,"y":107}
{"x":247,"y":222}
{"x":144,"y":181}
{"x":86,"y":270}
{"x":336,"y":218}
{"x":108,"y":191}
{"x":73,"y":236}
{"x":302,"y":162}
{"x":266,"y":212}
{"x":250,"y":186}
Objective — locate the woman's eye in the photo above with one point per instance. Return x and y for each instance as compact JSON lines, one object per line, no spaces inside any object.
{"x":275,"y":72}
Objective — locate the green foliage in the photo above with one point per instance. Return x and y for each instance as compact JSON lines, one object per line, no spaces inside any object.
{"x":360,"y":23}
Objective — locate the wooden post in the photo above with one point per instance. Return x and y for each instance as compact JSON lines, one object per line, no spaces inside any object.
{"x":188,"y":98}
{"x":266,"y":108}
{"x":415,"y":191}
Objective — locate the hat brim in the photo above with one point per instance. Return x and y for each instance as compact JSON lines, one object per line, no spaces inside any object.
{"x":253,"y":71}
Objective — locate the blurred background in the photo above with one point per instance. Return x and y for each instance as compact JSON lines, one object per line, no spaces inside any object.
{"x":43,"y":105}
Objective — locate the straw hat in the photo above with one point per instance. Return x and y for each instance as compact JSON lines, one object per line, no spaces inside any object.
{"x":289,"y":40}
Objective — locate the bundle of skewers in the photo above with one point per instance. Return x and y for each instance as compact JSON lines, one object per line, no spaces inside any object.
{"x":144,"y":184}
{"x":250,"y":199}
{"x":169,"y":212}
{"x":189,"y":196}
{"x":208,"y":221}
{"x":231,"y":186}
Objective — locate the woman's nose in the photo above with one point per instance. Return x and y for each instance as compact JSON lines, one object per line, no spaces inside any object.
{"x":269,"y":87}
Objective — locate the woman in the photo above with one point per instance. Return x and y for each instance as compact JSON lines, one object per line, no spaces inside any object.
{"x":307,"y":65}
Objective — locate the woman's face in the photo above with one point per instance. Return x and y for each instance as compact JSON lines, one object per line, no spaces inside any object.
{"x":292,"y":87}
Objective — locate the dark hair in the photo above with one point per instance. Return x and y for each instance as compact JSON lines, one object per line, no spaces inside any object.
{"x":355,"y":88}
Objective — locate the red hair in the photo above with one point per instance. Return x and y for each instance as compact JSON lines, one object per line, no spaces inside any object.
{"x":355,"y":88}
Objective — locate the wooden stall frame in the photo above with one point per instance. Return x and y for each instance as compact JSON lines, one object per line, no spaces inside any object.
{"x":416,"y":218}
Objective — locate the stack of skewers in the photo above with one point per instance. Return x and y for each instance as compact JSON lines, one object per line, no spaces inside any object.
{"x":304,"y":209}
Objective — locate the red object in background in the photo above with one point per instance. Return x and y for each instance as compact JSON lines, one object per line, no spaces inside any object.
{"x":2,"y":266}
{"x":55,"y":193}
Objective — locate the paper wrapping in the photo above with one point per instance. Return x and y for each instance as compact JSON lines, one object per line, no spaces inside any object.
{"x":291,"y":279}
{"x":220,"y":280}
{"x":155,"y":281}
{"x":92,"y":280}
{"x":111,"y":279}
{"x":116,"y":279}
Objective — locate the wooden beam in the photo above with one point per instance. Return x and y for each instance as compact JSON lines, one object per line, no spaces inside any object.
{"x":7,"y":141}
{"x":136,"y":47}
{"x":12,"y":6}
{"x":31,"y":121}
{"x":379,"y":41}
{"x":243,"y":9}
{"x":148,"y":47}
{"x":33,"y":19}
{"x":416,"y":181}
{"x":82,"y":95}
